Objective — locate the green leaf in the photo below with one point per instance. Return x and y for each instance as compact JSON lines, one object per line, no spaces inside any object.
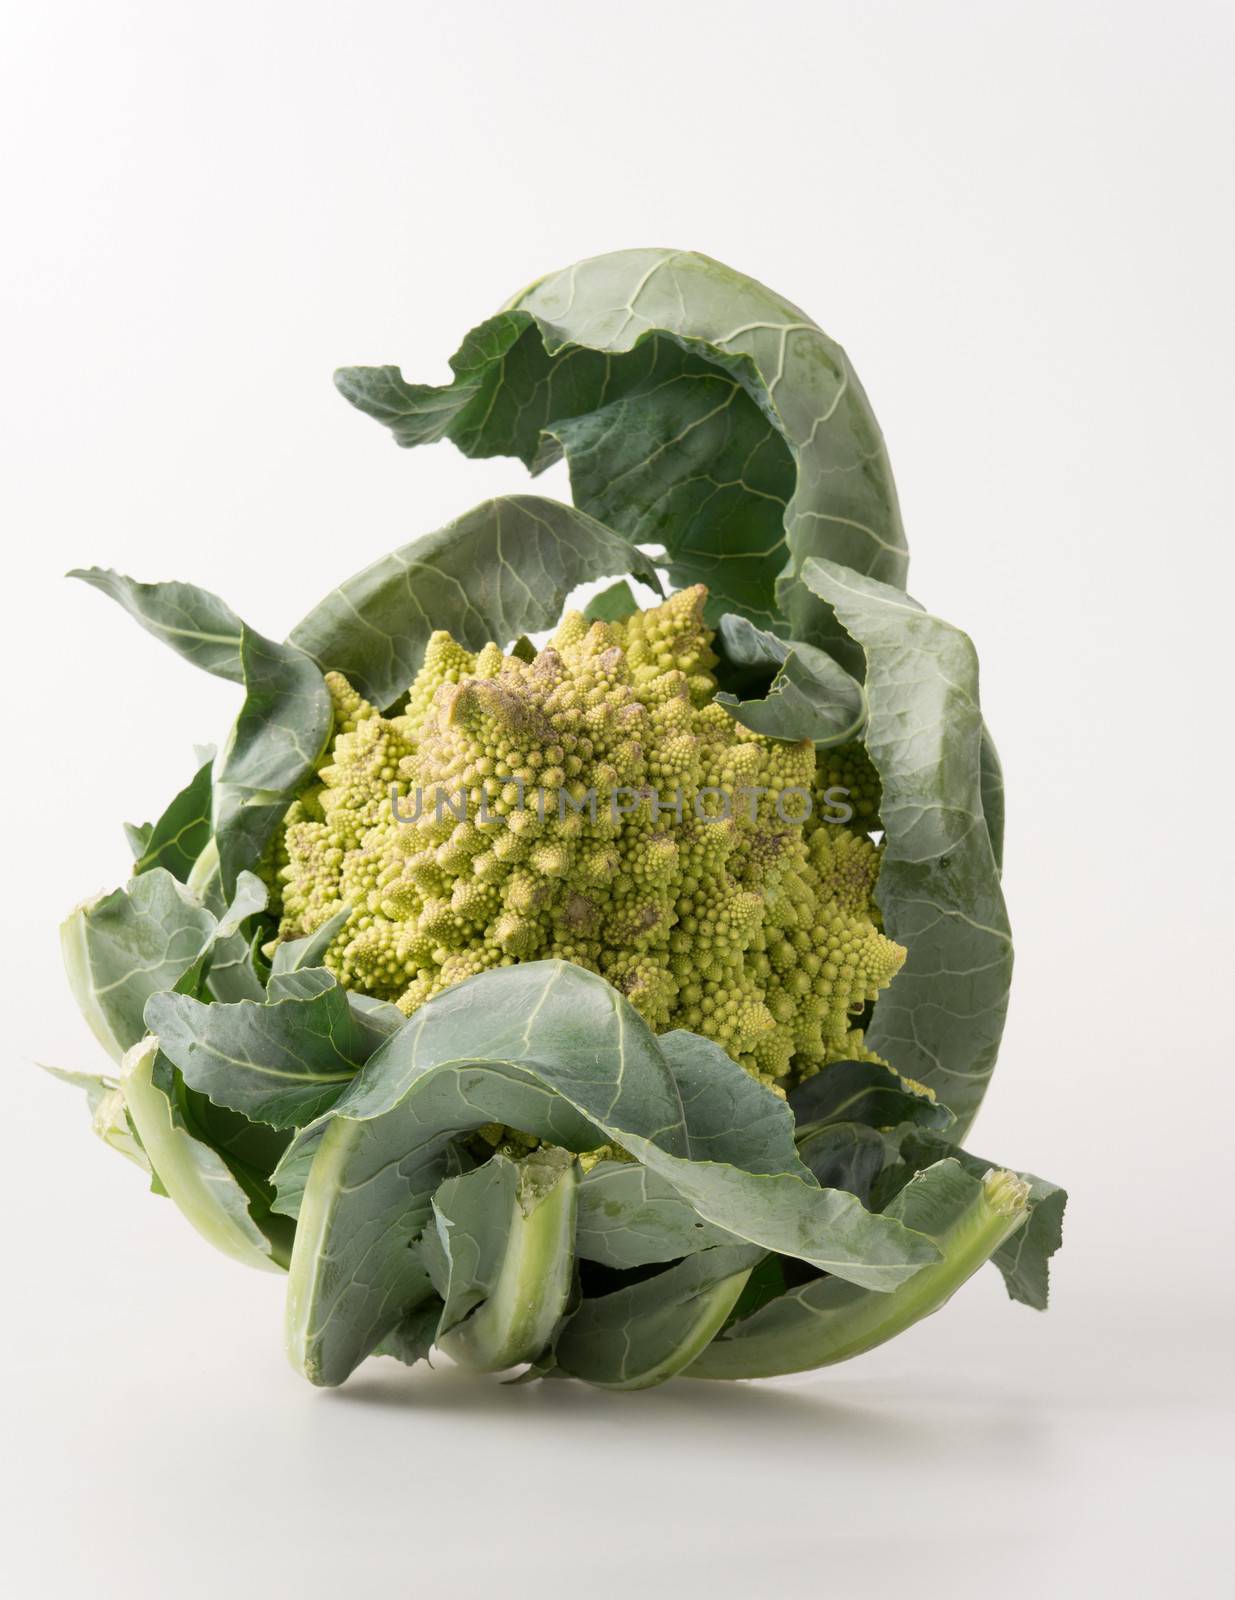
{"x":380,"y":1014}
{"x":867,"y":1092}
{"x":125,"y":946}
{"x":466,"y":1238}
{"x":509,"y":1237}
{"x":283,"y":726}
{"x":280,"y":734}
{"x":252,"y":1149}
{"x":230,"y":969}
{"x":292,"y":954}
{"x":282,"y":1063}
{"x":304,"y":984}
{"x":844,"y":1155}
{"x":825,"y":1321}
{"x":232,"y":972}
{"x":550,"y":1049}
{"x":644,"y":1333}
{"x":412,"y":1339}
{"x":108,"y":1115}
{"x":611,"y":604}
{"x":991,"y":782}
{"x":181,"y":834}
{"x":628,"y":1217}
{"x":249,"y":1150}
{"x":809,"y":696}
{"x":195,"y":623}
{"x":942,"y":1018}
{"x":120,"y":951}
{"x":250,"y":897}
{"x":94,"y":1085}
{"x":767,"y":1280}
{"x":137,"y":836}
{"x":290,"y":1177}
{"x":1024,"y":1259}
{"x":503,"y":569}
{"x":697,"y":410}
{"x":197,"y":1178}
{"x":729,"y":1117}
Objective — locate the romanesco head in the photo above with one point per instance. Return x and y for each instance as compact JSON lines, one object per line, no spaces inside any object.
{"x":589,"y":801}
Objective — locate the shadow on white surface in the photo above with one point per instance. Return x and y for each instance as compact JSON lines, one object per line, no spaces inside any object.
{"x":165,"y":1448}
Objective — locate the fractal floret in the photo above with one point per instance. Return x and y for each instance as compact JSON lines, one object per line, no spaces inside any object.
{"x":611,"y":1008}
{"x":590,"y":802}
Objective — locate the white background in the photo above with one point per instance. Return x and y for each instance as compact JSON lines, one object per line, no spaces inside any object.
{"x":1018,"y":219}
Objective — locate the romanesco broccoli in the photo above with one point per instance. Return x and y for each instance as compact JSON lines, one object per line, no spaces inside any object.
{"x":590,"y":801}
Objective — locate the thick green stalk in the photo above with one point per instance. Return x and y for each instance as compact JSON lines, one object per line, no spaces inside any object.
{"x":196,"y":1178}
{"x":301,"y":1335}
{"x":515,"y":1322}
{"x":638,"y":1336}
{"x":828,"y":1320}
{"x":75,"y":950}
{"x":710,"y":1311}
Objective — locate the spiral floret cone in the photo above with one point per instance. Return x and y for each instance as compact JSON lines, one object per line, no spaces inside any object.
{"x":593,"y":803}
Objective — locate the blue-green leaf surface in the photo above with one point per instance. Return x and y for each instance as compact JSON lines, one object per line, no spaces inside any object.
{"x":1024,"y":1259}
{"x":867,"y":1092}
{"x":697,"y":409}
{"x":554,"y":1051}
{"x":203,"y":1185}
{"x":181,"y":834}
{"x":279,"y":736}
{"x":784,"y":689}
{"x":507,"y":1234}
{"x":282,"y":1063}
{"x":629,"y":1216}
{"x":292,"y":954}
{"x":192,"y":621}
{"x":503,"y":569}
{"x":827,"y":1320}
{"x":611,"y":604}
{"x":941,"y":1020}
{"x":128,"y":945}
{"x":642,"y":1334}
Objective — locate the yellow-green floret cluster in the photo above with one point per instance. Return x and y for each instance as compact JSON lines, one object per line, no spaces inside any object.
{"x":591,"y":801}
